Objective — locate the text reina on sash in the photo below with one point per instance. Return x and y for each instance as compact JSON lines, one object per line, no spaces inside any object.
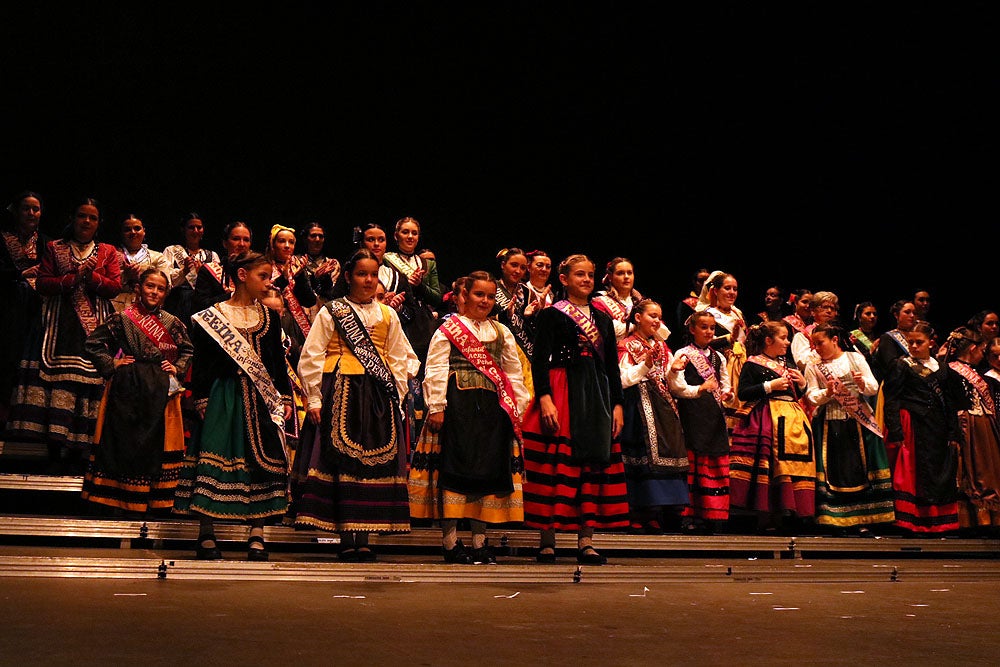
{"x":228,"y":336}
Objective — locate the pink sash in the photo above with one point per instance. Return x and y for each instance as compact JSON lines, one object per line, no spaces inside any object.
{"x":852,"y":403}
{"x":772,"y":364}
{"x":477,"y":354}
{"x":151,"y":325}
{"x":797,"y":323}
{"x":977,"y":382}
{"x":614,"y":307}
{"x":294,"y":307}
{"x":697,"y":359}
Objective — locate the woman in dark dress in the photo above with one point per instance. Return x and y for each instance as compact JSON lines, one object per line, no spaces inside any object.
{"x":20,"y":328}
{"x":58,"y":394}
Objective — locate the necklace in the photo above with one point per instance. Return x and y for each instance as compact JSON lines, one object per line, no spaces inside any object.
{"x":243,"y":316}
{"x":81,"y":251}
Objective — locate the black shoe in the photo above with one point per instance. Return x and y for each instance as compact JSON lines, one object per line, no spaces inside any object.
{"x":589,"y":556}
{"x":543,"y":557}
{"x":348,"y":555}
{"x":484,"y":555}
{"x":366,"y":555}
{"x":203,"y":552}
{"x":256,"y":555}
{"x":457,"y":555}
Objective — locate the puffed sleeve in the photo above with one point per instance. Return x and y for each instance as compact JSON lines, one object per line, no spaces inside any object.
{"x":313,"y":356}
{"x":436,"y":373}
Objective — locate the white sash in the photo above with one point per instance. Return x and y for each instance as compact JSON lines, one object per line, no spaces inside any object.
{"x":241,"y":351}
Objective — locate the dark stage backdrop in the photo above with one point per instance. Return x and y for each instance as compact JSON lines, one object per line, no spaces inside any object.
{"x":839,"y":147}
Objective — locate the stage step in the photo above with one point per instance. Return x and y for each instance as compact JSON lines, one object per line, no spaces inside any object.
{"x":133,"y":533}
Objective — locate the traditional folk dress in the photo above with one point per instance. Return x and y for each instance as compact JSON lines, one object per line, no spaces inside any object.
{"x":860,"y":341}
{"x":802,"y":350}
{"x":139,"y":442}
{"x":979,"y":447}
{"x":653,"y":446}
{"x":420,"y":317}
{"x":535,"y":295}
{"x":142,"y":259}
{"x":21,"y":326}
{"x":180,"y":301}
{"x":891,"y":346}
{"x":853,"y":481}
{"x":415,"y":315}
{"x":797,"y":323}
{"x":509,"y":311}
{"x":322,"y":286}
{"x":473,"y":467}
{"x":733,"y":348}
{"x":59,"y":392}
{"x":922,"y":424}
{"x":706,"y":434}
{"x":351,"y":469}
{"x":299,"y":302}
{"x":575,"y":478}
{"x":211,"y":286}
{"x":772,"y":456}
{"x":619,"y":310}
{"x":238,"y":466}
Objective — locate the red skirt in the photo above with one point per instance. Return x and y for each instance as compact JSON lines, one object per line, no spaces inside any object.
{"x":560,"y":493}
{"x":914,"y":513}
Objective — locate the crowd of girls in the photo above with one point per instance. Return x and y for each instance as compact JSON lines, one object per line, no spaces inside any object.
{"x":352,"y":395}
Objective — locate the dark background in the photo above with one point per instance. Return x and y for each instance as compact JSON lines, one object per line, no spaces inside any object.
{"x":839,"y":146}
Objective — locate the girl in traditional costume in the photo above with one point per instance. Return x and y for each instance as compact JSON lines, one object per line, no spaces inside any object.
{"x":139,"y":442}
{"x":718,"y":297}
{"x":351,"y":468}
{"x":238,"y":467}
{"x":653,"y":448}
{"x":772,"y":455}
{"x":468,"y":463}
{"x":573,"y":461}
{"x":979,"y":444}
{"x":699,"y":380}
{"x":853,"y":481}
{"x":922,"y":433}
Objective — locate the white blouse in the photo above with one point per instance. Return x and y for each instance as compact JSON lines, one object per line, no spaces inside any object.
{"x":842,"y":368}
{"x":437,"y":369}
{"x":399,"y":355}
